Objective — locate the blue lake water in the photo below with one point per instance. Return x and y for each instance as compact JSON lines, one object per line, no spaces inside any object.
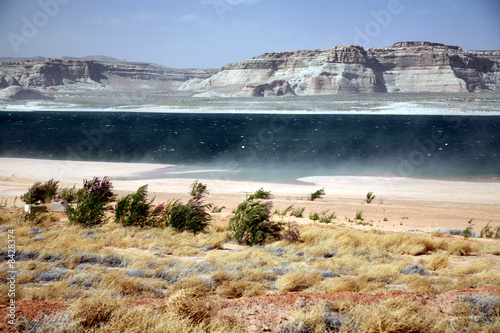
{"x":263,"y":147}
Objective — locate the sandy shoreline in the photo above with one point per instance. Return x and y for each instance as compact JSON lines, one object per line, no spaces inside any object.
{"x":389,"y":108}
{"x":406,"y":203}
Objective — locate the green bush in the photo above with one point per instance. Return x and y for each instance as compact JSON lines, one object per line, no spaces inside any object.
{"x":369,"y":197}
{"x":284,"y":212}
{"x":39,"y":192}
{"x":251,"y":223}
{"x":92,"y":202}
{"x":298,"y":212}
{"x":68,"y":194}
{"x":135,"y":210}
{"x":192,"y":216}
{"x":260,"y":194}
{"x":318,"y":194}
{"x":198,"y":188}
{"x":488,"y":232}
{"x":314,"y":216}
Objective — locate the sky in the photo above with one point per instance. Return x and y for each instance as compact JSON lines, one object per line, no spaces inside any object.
{"x":213,"y":33}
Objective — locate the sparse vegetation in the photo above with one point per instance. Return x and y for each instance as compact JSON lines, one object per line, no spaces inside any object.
{"x":68,"y":194}
{"x":135,"y":209}
{"x":41,"y":193}
{"x":198,"y":189}
{"x":359,"y":216}
{"x":369,"y":197}
{"x":285,"y":211}
{"x":252,"y":223}
{"x":298,"y":212}
{"x":105,"y":271}
{"x":317,"y":195}
{"x":260,"y":194}
{"x":217,"y":209}
{"x":192,"y":216}
{"x":489,"y":232}
{"x":92,"y":202}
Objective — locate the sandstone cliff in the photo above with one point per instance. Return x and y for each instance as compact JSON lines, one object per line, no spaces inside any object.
{"x":55,"y":72}
{"x":403,"y":67}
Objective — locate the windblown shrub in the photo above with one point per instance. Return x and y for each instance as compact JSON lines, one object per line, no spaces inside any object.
{"x":292,"y":232}
{"x":193,"y":216}
{"x":39,"y":192}
{"x":251,"y":223}
{"x":198,"y":189}
{"x":68,"y":194}
{"x":370,"y":197}
{"x":134,"y":209}
{"x":260,"y":194}
{"x":92,"y":202}
{"x":318,"y":194}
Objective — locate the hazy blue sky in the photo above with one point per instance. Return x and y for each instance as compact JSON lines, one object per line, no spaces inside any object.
{"x":212,"y":33}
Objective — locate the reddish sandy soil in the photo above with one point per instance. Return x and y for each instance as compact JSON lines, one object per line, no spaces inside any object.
{"x":268,"y":313}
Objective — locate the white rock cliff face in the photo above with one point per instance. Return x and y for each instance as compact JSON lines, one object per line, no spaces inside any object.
{"x":403,"y":67}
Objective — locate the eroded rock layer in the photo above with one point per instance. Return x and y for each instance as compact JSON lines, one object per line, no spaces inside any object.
{"x":403,"y":67}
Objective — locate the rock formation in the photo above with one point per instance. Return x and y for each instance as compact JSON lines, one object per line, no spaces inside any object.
{"x":55,"y":72}
{"x":403,"y":67}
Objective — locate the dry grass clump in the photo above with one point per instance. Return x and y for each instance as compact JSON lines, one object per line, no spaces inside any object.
{"x":396,"y":315}
{"x":131,"y":287}
{"x":54,"y":291}
{"x":438,"y":260}
{"x":315,"y":320}
{"x":240,"y":288}
{"x":297,"y":281}
{"x":194,"y":284}
{"x":363,"y":283}
{"x":476,"y":314}
{"x":93,"y":312}
{"x":473,"y":267}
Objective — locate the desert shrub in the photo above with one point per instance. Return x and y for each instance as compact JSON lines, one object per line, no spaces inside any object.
{"x":325,"y":218}
{"x":92,"y":202}
{"x":369,"y":197}
{"x":397,"y":315}
{"x":285,"y":211}
{"x":477,"y":314}
{"x":136,"y":210}
{"x":187,"y":304}
{"x":39,"y":192}
{"x":298,"y":281}
{"x":414,"y":268}
{"x":318,"y":194}
{"x":488,"y":232}
{"x":438,"y":260}
{"x":36,"y":216}
{"x":359,"y":216}
{"x":198,"y":189}
{"x":240,"y":288}
{"x":251,"y":223}
{"x":314,"y":216}
{"x":93,"y":311}
{"x":68,"y":194}
{"x":260,"y":194}
{"x":298,"y":212}
{"x":217,"y":209}
{"x":292,"y":232}
{"x":315,"y":319}
{"x":192,"y":216}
